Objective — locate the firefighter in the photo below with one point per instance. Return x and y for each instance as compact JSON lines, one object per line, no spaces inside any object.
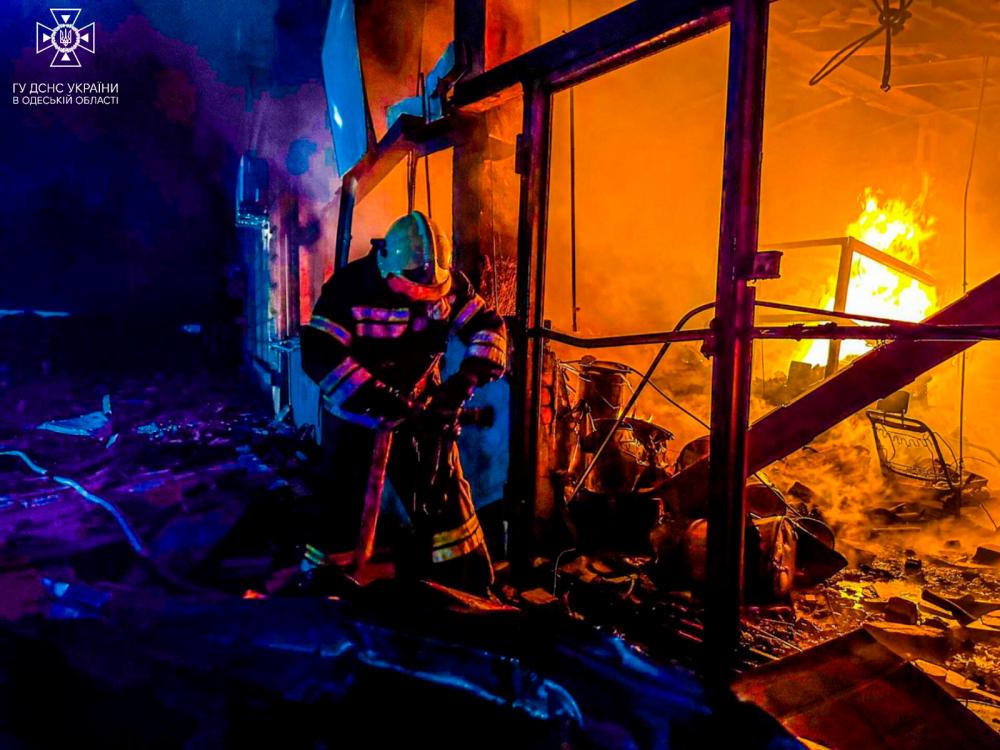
{"x":374,"y":345}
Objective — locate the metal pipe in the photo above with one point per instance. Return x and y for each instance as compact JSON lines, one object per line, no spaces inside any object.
{"x":731,"y":369}
{"x":887,"y":328}
{"x":634,"y":31}
{"x":572,"y":204}
{"x":861,"y":248}
{"x":572,"y":185}
{"x":344,"y":220}
{"x":840,"y":302}
{"x":893,"y":332}
{"x":628,"y":339}
{"x":820,"y":312}
{"x":799,"y":244}
{"x":890,"y":261}
{"x":873,"y":376}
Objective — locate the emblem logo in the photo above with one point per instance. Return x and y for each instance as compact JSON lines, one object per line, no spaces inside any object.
{"x":64,"y":38}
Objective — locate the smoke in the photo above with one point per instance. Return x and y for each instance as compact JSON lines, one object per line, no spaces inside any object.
{"x":648,"y":157}
{"x":647,"y":162}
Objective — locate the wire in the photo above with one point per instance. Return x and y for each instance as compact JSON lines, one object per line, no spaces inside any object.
{"x":891,"y":21}
{"x":412,"y":159}
{"x":965,"y":263}
{"x":572,"y":184}
{"x":425,"y":108}
{"x":555,"y":569}
{"x":635,"y":397}
{"x":494,"y":271}
{"x":669,"y":400}
{"x":411,"y":181}
{"x":133,"y":538}
{"x":763,"y":373}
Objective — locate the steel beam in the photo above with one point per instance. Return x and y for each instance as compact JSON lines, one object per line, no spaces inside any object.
{"x":734,"y":306}
{"x":634,"y":31}
{"x":532,"y":161}
{"x":345,"y":221}
{"x":867,"y":379}
{"x":408,"y":134}
{"x":864,"y":381}
{"x":470,"y":35}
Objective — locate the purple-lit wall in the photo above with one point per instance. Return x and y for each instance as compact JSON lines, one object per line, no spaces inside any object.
{"x":126,"y":209}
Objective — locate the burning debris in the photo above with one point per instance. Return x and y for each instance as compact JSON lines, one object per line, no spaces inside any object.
{"x":922,"y":545}
{"x":874,"y":525}
{"x":901,"y":291}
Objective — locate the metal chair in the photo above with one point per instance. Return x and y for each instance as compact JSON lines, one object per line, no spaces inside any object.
{"x":913,"y":455}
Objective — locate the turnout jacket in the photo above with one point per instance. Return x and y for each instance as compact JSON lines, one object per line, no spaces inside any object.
{"x":363,"y":337}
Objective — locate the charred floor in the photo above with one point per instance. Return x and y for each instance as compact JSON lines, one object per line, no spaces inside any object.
{"x":152,"y":525}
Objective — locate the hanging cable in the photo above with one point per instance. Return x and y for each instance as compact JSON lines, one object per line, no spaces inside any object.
{"x":425,"y":108}
{"x":572,"y":183}
{"x":494,"y":271}
{"x":411,"y":181}
{"x":891,"y":21}
{"x":669,"y":400}
{"x":965,"y":262}
{"x":763,"y":373}
{"x":412,"y":157}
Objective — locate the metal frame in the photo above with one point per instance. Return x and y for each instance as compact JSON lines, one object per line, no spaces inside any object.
{"x":526,"y":370}
{"x":628,"y":34}
{"x":849,"y":247}
{"x":408,"y":134}
{"x":943,"y":471}
{"x":733,"y":349}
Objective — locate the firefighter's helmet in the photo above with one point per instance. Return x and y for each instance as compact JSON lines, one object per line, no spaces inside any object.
{"x":415,"y":259}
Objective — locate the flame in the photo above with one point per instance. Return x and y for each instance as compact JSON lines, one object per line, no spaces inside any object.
{"x":898,"y":229}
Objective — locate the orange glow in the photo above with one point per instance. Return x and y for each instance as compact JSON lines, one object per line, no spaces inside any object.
{"x":898,"y":229}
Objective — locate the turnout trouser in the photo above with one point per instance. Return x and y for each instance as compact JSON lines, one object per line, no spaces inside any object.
{"x":444,"y":541}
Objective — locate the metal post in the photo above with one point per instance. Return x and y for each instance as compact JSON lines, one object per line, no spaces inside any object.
{"x":293,"y":268}
{"x":572,"y":186}
{"x":470,"y":34}
{"x":731,"y":373}
{"x":345,"y":219}
{"x":840,"y":300}
{"x":532,"y":164}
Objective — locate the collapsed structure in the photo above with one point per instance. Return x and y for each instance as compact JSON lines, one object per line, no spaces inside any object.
{"x":588,"y":476}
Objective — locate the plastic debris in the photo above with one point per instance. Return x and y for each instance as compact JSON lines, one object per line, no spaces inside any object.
{"x":95,"y":424}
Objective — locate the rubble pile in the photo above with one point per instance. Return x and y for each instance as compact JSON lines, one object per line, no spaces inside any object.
{"x":923,"y":582}
{"x":172,"y":469}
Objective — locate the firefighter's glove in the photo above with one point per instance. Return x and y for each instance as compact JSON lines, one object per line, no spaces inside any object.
{"x":449,"y":397}
{"x":388,"y":404}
